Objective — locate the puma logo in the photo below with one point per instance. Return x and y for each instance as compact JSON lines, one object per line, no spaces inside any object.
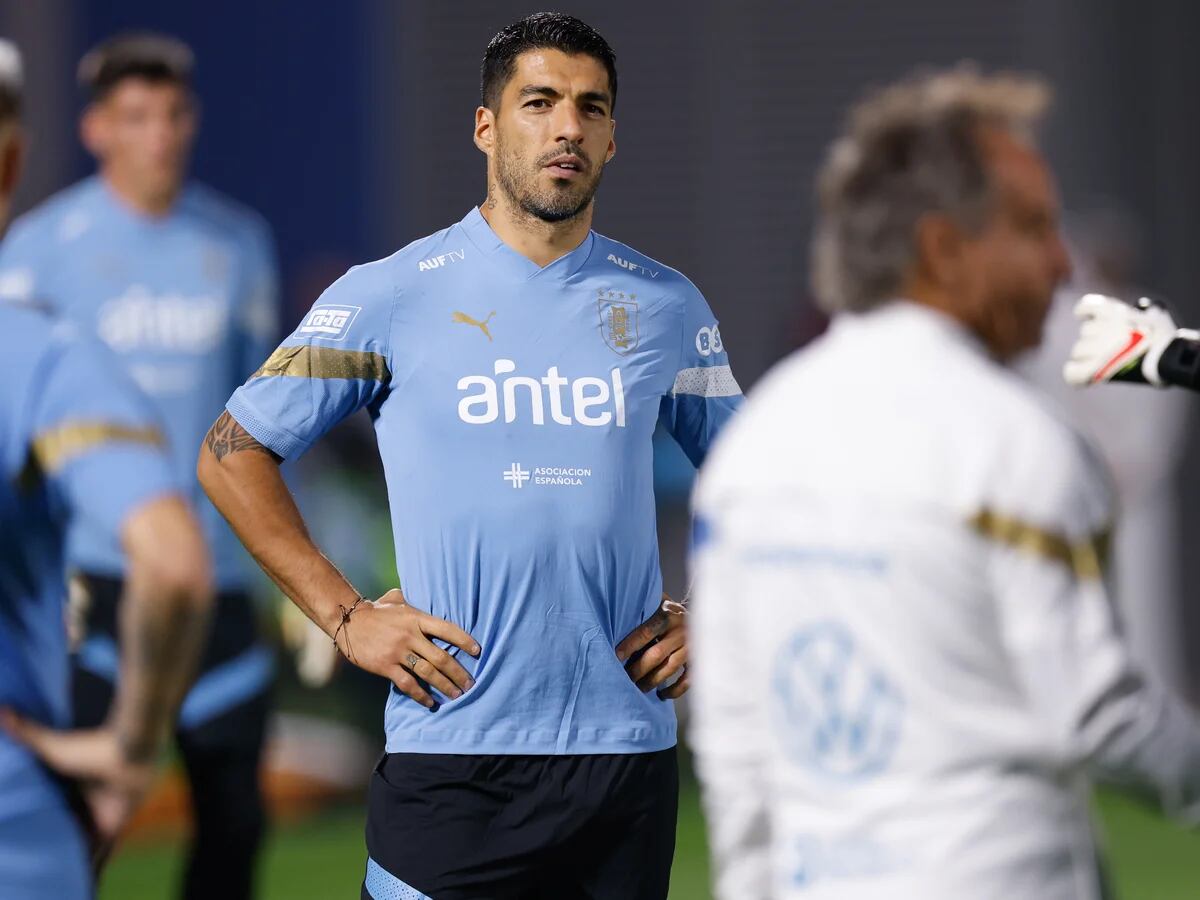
{"x":464,"y":319}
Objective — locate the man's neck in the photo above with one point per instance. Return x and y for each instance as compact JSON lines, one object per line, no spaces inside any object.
{"x":924,"y":293}
{"x":932,"y":296}
{"x":540,"y":241}
{"x":140,"y":201}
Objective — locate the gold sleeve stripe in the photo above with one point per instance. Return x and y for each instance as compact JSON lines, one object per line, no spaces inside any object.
{"x":55,"y":448}
{"x":325,"y":362}
{"x":1087,"y":558}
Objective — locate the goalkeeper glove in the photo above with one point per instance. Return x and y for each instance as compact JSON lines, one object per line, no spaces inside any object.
{"x":1119,"y":342}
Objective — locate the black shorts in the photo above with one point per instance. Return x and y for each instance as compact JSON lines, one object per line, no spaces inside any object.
{"x":226,"y":706}
{"x":521,"y":827}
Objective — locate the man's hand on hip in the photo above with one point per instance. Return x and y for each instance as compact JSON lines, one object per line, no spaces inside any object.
{"x":656,"y":651}
{"x":113,"y":783}
{"x":392,"y":639}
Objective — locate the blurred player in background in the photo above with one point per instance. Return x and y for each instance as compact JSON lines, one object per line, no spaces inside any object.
{"x":77,"y":440}
{"x":908,"y":667}
{"x":515,"y":365}
{"x":1147,"y":541}
{"x":180,"y":282}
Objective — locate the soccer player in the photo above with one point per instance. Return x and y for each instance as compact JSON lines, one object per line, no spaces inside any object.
{"x":179,"y":282}
{"x":78,"y":440}
{"x":515,"y":365}
{"x":1139,"y":344}
{"x":907,"y":665}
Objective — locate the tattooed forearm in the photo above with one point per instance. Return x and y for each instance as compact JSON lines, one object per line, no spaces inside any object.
{"x":228,"y":436}
{"x":159,"y":662}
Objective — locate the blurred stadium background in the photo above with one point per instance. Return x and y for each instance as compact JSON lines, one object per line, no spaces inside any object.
{"x":348,"y":126}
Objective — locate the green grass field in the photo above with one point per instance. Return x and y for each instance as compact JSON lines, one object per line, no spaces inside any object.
{"x":322,"y":858}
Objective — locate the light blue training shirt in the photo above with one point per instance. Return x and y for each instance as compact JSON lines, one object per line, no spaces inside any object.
{"x":514,"y":408}
{"x":187,"y":300}
{"x":77,"y":442}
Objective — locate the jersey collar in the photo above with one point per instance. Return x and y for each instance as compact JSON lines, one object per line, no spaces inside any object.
{"x":909,"y":317}
{"x":123,"y":212}
{"x":489,"y":243}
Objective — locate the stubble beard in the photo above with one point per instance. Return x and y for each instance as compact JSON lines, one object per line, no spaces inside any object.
{"x":518,"y":181}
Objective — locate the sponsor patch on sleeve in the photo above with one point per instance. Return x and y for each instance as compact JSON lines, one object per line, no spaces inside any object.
{"x":329,"y":322}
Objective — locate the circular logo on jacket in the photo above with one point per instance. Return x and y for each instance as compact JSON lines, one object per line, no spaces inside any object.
{"x":836,"y":712}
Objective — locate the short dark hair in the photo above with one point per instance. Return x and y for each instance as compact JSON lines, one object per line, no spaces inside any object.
{"x":143,"y":54}
{"x":541,"y":30}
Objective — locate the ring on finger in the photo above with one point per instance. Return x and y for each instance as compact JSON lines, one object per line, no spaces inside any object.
{"x":411,"y":660}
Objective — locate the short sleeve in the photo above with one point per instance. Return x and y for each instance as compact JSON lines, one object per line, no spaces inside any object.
{"x":335,"y":363}
{"x":95,"y":438}
{"x":704,"y":393}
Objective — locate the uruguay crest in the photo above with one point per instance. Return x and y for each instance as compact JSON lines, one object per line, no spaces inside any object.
{"x":618,"y":321}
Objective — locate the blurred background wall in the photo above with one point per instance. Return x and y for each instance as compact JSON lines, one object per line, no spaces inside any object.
{"x":348,"y":126}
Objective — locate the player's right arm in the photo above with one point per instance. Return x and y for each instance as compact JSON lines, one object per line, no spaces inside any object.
{"x":335,"y":363}
{"x":1139,"y":344}
{"x":97,"y":446}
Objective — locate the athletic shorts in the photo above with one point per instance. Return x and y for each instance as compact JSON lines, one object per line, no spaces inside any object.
{"x":448,"y":827}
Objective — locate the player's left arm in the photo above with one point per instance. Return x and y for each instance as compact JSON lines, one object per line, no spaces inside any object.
{"x":701,"y":398}
{"x":703,"y":394}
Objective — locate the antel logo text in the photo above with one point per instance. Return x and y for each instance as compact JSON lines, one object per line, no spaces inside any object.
{"x":330,"y":322}
{"x":590,"y":401}
{"x":139,"y":318}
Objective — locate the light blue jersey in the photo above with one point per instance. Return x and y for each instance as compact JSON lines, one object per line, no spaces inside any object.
{"x":77,"y":442}
{"x":188,"y":301}
{"x":514,"y":408}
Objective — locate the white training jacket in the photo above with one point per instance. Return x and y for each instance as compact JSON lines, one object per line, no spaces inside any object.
{"x":907,"y":668}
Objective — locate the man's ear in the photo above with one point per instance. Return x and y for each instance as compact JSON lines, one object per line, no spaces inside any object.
{"x":939,"y":246}
{"x":92,"y":131}
{"x":485,"y":129}
{"x":612,"y":144}
{"x":12,"y":157}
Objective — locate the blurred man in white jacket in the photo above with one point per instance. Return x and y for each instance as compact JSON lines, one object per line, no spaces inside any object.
{"x":907,"y":665}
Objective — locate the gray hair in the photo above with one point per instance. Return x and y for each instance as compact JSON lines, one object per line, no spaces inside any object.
{"x":909,"y":150}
